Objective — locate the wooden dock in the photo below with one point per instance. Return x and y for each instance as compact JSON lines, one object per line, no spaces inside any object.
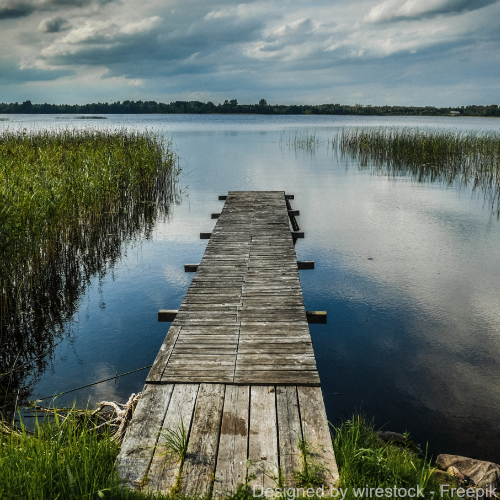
{"x":237,"y":368}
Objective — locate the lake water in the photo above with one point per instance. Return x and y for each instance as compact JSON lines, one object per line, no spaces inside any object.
{"x":408,"y":273}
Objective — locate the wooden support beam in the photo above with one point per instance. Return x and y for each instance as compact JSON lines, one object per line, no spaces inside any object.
{"x":167,"y":315}
{"x":316,"y":317}
{"x":289,"y":197}
{"x":205,"y":236}
{"x":301,"y":264}
{"x":293,"y":213}
{"x":222,"y":197}
{"x":215,"y":216}
{"x":191,"y":268}
{"x":297,"y":234}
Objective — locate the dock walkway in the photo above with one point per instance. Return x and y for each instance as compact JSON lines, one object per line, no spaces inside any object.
{"x":236,"y":369}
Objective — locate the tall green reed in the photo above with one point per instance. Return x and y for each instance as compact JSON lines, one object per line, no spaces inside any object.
{"x":68,"y":199}
{"x":466,"y":158}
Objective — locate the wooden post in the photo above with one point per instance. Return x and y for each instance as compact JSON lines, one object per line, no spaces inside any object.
{"x":191,"y":268}
{"x":293,"y":213}
{"x":205,"y":236}
{"x":223,"y":197}
{"x":215,"y":216}
{"x":296,"y":234}
{"x":301,"y":264}
{"x":167,"y":315}
{"x":316,"y":317}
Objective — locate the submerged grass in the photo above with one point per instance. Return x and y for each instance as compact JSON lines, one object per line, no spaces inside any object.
{"x":467,"y":158}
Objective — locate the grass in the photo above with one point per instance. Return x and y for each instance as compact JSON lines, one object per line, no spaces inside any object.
{"x":71,"y":459}
{"x":66,"y":459}
{"x":366,"y":461}
{"x":68,"y":199}
{"x":466,"y":158}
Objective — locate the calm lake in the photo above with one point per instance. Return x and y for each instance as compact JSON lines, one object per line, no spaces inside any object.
{"x":407,"y":271}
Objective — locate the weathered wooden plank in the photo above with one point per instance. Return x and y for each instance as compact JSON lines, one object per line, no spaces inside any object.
{"x":164,"y":354}
{"x":136,"y":451}
{"x":165,"y":467}
{"x":289,"y":432}
{"x":233,"y":444}
{"x":278,"y":377}
{"x":315,"y":429}
{"x":199,"y":466}
{"x":263,"y":438}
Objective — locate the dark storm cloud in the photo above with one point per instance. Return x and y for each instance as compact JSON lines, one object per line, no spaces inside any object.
{"x":14,"y":10}
{"x":54,"y":25}
{"x":11,"y":74}
{"x":398,"y":10}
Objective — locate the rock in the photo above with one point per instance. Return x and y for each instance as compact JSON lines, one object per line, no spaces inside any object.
{"x":481,"y":473}
{"x":391,"y":437}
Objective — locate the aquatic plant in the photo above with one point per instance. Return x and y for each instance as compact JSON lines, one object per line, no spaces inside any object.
{"x":68,"y":199}
{"x":467,"y":158}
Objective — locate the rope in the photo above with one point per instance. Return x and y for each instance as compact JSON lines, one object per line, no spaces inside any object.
{"x":94,"y":383}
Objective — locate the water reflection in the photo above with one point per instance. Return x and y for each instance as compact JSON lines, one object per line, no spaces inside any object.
{"x":37,"y":304}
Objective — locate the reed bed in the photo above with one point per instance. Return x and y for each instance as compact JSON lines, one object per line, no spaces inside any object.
{"x":466,"y":158}
{"x":68,"y":200}
{"x":305,"y":140}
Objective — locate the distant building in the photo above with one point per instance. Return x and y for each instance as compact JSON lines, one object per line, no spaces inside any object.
{"x":454,"y":112}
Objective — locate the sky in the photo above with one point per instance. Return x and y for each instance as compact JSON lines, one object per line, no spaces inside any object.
{"x":395,"y":52}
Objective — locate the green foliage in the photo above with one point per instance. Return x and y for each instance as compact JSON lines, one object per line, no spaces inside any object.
{"x":232,"y":106}
{"x":465,"y":158}
{"x":175,"y":441}
{"x":364,"y":460}
{"x":68,"y":199}
{"x":312,"y":473}
{"x":63,"y":459}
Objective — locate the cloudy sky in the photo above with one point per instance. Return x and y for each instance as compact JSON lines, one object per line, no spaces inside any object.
{"x":408,"y":52}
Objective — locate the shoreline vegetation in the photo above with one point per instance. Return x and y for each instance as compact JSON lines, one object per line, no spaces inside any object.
{"x":465,"y":158}
{"x":71,"y":455}
{"x":232,"y":107}
{"x":68,"y":200}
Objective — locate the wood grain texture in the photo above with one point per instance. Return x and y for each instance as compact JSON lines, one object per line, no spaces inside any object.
{"x":136,"y":453}
{"x":289,"y":432}
{"x":247,"y":284}
{"x":199,"y":467}
{"x":315,"y":429}
{"x":263,"y":437}
{"x":233,"y":444}
{"x":165,"y":467}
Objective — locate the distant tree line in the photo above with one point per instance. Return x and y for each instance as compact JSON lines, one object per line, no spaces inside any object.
{"x":232,"y":106}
